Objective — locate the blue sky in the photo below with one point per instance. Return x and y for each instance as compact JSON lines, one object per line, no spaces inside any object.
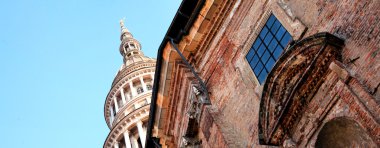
{"x":58,"y":59}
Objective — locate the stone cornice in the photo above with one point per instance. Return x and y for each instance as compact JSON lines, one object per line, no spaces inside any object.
{"x":128,"y":70}
{"x":210,"y":27}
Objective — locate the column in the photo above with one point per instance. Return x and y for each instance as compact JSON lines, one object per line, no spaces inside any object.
{"x":143,"y":84}
{"x":123,"y":95}
{"x":111,"y":115}
{"x":133,"y":90}
{"x":141,"y":133}
{"x":152,"y":82}
{"x":144,"y":127}
{"x":128,"y":97}
{"x":116,"y":145}
{"x":127,"y":140}
{"x":115,"y":102}
{"x":148,"y":99}
{"x":135,"y":143}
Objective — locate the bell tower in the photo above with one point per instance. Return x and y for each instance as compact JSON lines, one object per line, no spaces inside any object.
{"x":126,"y":109}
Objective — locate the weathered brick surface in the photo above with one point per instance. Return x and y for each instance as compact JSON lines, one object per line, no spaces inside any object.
{"x":358,"y":23}
{"x":212,"y":134}
{"x":235,"y":94}
{"x":350,"y":89}
{"x":334,"y":99}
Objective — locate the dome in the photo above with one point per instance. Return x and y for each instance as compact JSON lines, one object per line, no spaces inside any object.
{"x":136,"y":59}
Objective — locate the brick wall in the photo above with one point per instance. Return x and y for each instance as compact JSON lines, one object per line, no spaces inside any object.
{"x":234,"y":91}
{"x":358,"y":23}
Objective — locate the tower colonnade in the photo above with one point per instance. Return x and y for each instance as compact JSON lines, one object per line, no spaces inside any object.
{"x":126,"y":108}
{"x":133,"y":90}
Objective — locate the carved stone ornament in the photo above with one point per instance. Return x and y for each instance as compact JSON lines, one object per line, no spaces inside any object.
{"x":200,"y":94}
{"x":196,"y":91}
{"x":190,"y":142}
{"x":289,"y":143}
{"x":194,"y":110}
{"x":195,"y":105}
{"x":292,"y":83}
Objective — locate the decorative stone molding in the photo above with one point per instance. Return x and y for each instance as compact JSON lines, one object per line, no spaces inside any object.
{"x":292,"y":83}
{"x":194,"y":113}
{"x":129,"y":107}
{"x":195,"y":103}
{"x":140,"y":114}
{"x":125,"y":77}
{"x":128,"y":71}
{"x":289,"y":143}
{"x":190,"y":142}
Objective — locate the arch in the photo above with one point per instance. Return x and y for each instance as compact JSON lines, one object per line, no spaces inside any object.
{"x":342,"y":132}
{"x":292,"y":83}
{"x":149,"y":86}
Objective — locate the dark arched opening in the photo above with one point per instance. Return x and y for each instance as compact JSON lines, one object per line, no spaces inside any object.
{"x":342,"y":132}
{"x":139,"y":143}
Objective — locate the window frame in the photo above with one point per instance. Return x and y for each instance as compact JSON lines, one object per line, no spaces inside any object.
{"x":267,"y":47}
{"x":292,"y":24}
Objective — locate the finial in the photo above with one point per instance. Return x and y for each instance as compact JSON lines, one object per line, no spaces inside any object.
{"x":122,"y":22}
{"x":123,"y":28}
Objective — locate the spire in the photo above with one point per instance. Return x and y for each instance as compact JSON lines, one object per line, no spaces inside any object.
{"x":130,"y":48}
{"x":123,"y":28}
{"x":125,"y":34}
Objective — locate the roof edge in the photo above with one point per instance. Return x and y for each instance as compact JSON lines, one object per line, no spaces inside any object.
{"x":184,"y":17}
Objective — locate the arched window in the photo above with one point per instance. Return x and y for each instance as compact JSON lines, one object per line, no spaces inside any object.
{"x":132,"y":46}
{"x":121,"y":142}
{"x":119,"y":101}
{"x":149,"y":87}
{"x":126,"y":47}
{"x":140,"y":90}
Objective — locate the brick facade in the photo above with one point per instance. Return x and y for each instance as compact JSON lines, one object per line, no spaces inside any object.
{"x":216,"y":46}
